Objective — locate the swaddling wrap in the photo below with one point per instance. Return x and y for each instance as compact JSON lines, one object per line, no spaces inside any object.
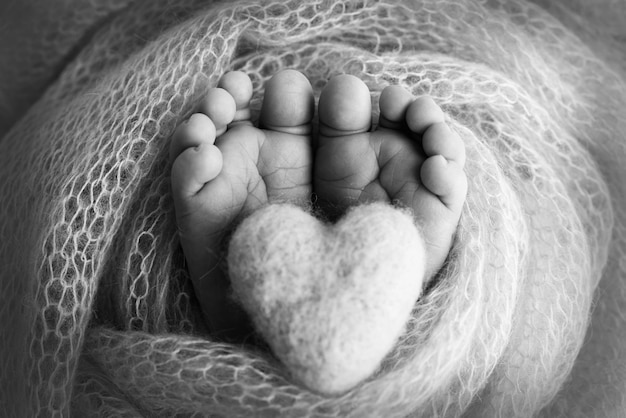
{"x":528,"y":316}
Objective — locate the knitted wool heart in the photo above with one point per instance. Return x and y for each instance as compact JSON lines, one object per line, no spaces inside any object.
{"x":330,"y":300}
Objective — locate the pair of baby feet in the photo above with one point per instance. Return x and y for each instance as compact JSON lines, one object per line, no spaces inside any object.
{"x":225,"y":167}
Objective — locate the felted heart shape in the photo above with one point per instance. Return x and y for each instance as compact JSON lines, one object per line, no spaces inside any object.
{"x":330,"y":300}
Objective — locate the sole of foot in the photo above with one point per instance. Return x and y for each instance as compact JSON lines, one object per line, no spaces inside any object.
{"x":224,"y":167}
{"x":412,"y":158}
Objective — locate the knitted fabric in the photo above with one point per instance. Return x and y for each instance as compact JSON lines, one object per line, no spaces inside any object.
{"x":528,"y":316}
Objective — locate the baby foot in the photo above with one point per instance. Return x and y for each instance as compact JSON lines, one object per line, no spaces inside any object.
{"x":224,"y":167}
{"x":413,"y":158}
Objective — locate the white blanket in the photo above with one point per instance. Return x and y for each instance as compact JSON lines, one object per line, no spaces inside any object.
{"x":97,"y":316}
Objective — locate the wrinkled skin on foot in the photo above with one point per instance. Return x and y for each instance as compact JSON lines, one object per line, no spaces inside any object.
{"x":224,"y":168}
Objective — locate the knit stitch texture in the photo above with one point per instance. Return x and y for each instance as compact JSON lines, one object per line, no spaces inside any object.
{"x":528,"y":316}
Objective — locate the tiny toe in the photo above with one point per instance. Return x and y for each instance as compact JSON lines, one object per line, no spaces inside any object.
{"x":193,"y":168}
{"x":422,"y":113}
{"x":239,"y":86}
{"x":445,"y":179}
{"x":439,"y":139}
{"x":195,"y":131}
{"x":288,"y":103}
{"x":345,"y":107}
{"x":220,"y":107}
{"x":394,"y":102}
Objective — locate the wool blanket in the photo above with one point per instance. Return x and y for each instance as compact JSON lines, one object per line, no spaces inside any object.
{"x":98,"y":318}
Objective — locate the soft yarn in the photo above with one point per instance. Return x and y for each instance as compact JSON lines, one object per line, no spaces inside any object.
{"x":330,"y":299}
{"x":527,"y":318}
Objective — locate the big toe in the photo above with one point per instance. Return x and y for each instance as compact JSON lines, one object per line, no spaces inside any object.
{"x":345,"y":107}
{"x":288,"y":104}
